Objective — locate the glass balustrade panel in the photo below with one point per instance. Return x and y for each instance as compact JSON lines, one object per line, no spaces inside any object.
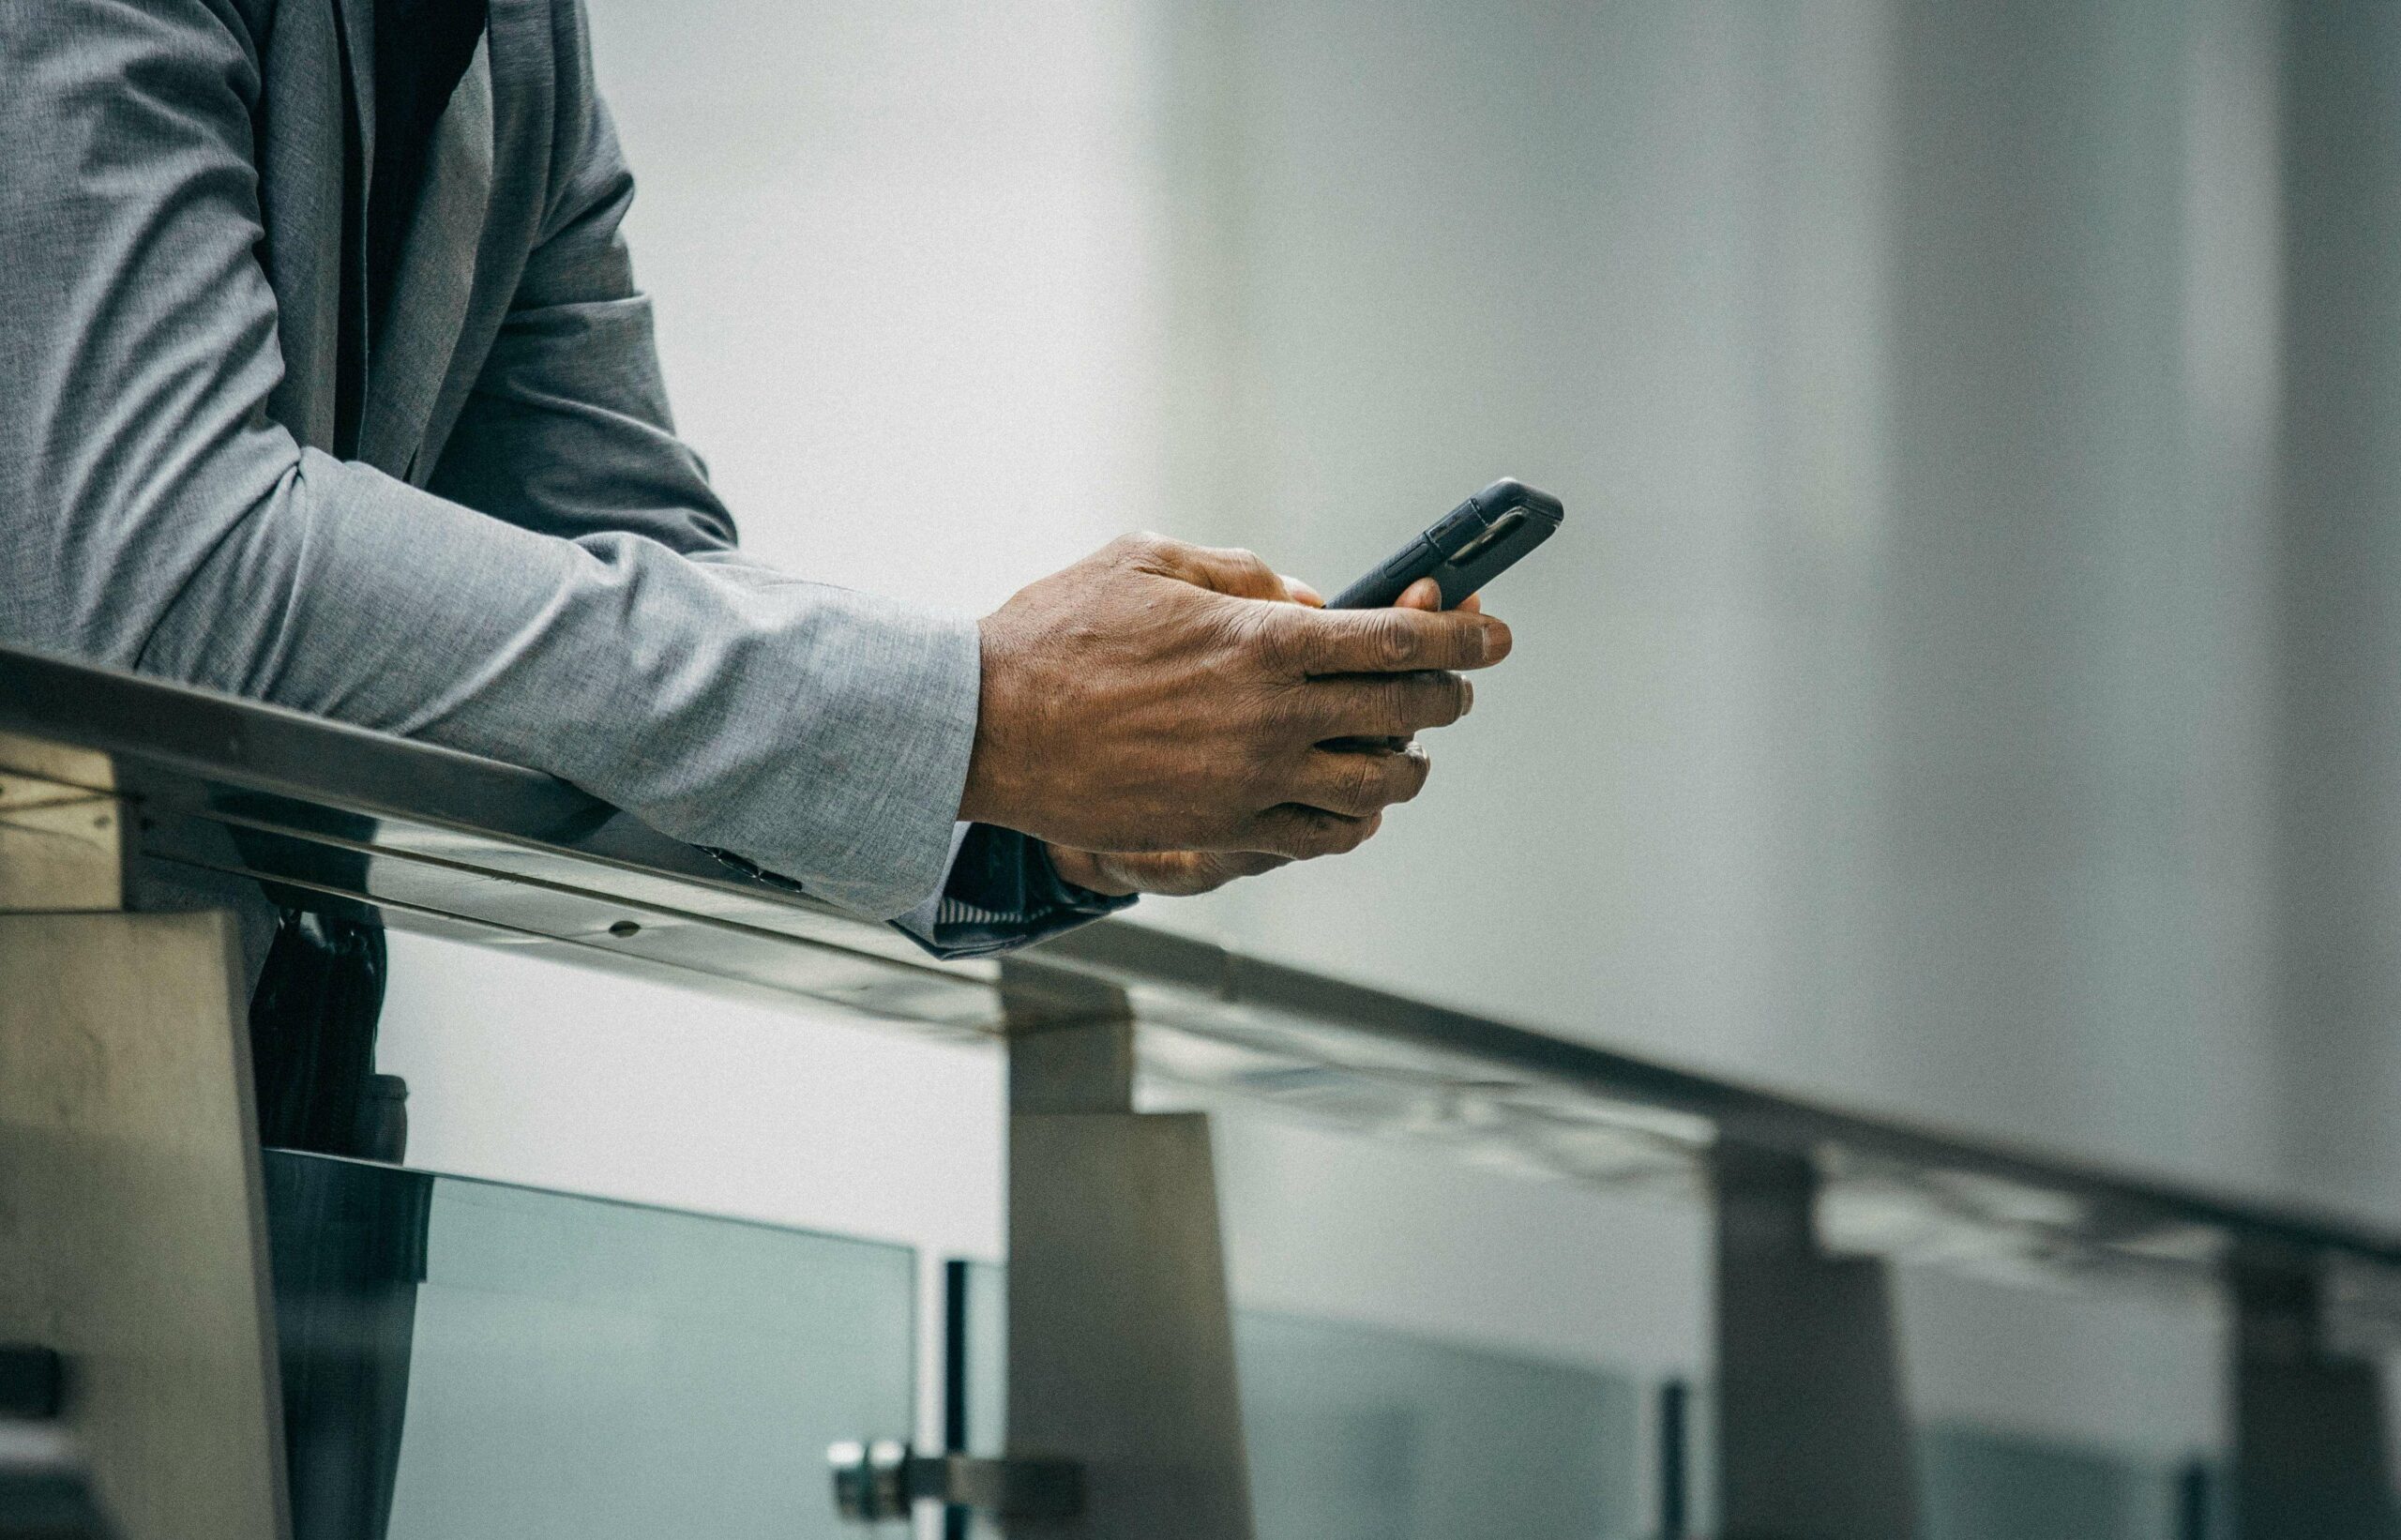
{"x":1358,"y":1433}
{"x":1980,"y":1484}
{"x":469,"y":1361}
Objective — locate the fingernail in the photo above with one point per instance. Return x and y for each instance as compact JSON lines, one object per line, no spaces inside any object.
{"x":1467,"y":700}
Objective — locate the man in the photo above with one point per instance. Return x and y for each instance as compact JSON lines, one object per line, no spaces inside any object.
{"x":324,"y":380}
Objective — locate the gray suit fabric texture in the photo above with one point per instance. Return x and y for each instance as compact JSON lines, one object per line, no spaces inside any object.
{"x":517,"y":557}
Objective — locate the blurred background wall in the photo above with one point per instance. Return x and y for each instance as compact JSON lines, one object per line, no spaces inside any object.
{"x":1969,"y":686}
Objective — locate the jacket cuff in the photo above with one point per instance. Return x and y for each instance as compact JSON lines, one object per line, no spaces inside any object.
{"x":871,"y":724}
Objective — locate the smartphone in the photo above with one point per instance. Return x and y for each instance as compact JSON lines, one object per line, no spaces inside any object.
{"x":1466,"y":548}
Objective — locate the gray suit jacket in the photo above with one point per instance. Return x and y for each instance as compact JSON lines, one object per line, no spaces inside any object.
{"x":518,"y":558}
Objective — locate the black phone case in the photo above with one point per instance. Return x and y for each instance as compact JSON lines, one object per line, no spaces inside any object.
{"x":1465,"y":548}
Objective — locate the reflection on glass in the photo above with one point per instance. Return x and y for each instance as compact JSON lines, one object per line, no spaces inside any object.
{"x":986,"y":1348}
{"x":1360,"y":1434}
{"x":1357,"y":1434}
{"x":485,"y":1361}
{"x":1978,"y":1485}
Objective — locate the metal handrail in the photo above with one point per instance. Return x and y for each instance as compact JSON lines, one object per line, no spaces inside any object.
{"x":457,"y":845}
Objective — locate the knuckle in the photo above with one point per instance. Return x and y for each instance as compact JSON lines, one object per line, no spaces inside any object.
{"x":1258,"y":770}
{"x":1312,"y":832}
{"x":1394,"y":643}
{"x":1465,"y":644}
{"x":1426,"y":700}
{"x":1157,"y":550}
{"x":1274,"y":641}
{"x":1208,"y":874}
{"x":1451,"y":697}
{"x":1363,"y":787}
{"x":1275,"y":832}
{"x":1283,"y":716}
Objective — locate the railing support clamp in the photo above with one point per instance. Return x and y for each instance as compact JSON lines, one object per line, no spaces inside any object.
{"x":880,"y":1480}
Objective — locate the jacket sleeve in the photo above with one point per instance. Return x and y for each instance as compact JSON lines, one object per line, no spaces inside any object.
{"x":153,"y":516}
{"x":569,"y":431}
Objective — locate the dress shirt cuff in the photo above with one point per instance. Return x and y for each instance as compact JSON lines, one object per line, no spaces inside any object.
{"x":1002,"y":893}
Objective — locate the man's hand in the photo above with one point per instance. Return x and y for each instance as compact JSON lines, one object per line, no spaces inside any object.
{"x":1167,"y":699}
{"x":1180,"y":874}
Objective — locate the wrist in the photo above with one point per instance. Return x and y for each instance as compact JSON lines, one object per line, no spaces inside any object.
{"x":985,"y":796}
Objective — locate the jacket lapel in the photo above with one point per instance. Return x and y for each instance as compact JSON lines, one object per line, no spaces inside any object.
{"x":314,"y":110}
{"x":433,"y":280}
{"x":358,"y":58}
{"x":357,"y":23}
{"x":517,"y":63}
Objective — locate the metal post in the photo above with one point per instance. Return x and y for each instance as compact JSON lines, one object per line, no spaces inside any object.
{"x":1121,"y":1335}
{"x":2310,"y":1461}
{"x":958,"y":1522}
{"x":2195,"y":1501}
{"x":1812,"y":1442}
{"x":1674,"y":1453}
{"x":131,"y":1224}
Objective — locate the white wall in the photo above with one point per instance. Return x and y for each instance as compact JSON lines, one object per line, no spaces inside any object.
{"x":906,"y":275}
{"x":1893,"y":722}
{"x":1889,"y":721}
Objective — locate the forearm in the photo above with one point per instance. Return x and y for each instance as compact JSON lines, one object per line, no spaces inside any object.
{"x":154,"y":513}
{"x":820,"y":732}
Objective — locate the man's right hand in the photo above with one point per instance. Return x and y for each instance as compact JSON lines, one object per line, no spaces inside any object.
{"x":1159,"y":696}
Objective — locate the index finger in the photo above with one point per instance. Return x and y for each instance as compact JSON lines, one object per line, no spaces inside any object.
{"x":1241,"y":573}
{"x":1391,"y":641}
